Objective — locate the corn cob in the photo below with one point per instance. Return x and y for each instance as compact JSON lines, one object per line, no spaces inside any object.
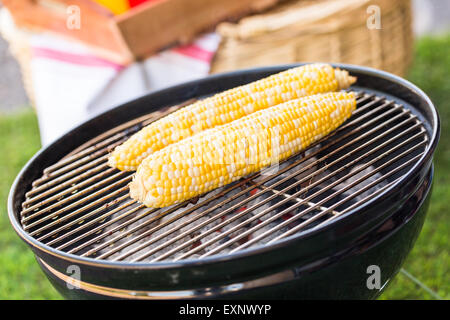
{"x":218,"y":156}
{"x":226,"y":107}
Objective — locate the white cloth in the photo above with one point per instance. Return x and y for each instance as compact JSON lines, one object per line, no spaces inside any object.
{"x":71,"y":84}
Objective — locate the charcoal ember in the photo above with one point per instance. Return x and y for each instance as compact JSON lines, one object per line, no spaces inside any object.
{"x":126,"y":233}
{"x":198,"y":226}
{"x":365,"y":182}
{"x":270,"y":234}
{"x":224,"y":221}
{"x":305,"y":170}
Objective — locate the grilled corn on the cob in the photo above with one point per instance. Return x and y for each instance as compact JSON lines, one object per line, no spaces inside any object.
{"x":218,"y":156}
{"x":226,"y":107}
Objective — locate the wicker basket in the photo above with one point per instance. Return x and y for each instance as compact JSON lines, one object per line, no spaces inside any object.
{"x":327,"y":30}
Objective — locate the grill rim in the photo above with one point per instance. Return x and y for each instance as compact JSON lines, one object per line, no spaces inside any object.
{"x":192,"y":88}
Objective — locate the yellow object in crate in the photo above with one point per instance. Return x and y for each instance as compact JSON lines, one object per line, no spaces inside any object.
{"x":116,"y":6}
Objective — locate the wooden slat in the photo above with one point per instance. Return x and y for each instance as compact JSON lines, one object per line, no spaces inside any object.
{"x":97,"y":27}
{"x":137,"y":33}
{"x":155,"y":25}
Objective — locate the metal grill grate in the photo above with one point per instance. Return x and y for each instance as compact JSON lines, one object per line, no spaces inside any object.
{"x":81,"y":206}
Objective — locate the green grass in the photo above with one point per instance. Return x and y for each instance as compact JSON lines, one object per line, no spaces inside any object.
{"x":21,"y":278}
{"x":429,"y":261}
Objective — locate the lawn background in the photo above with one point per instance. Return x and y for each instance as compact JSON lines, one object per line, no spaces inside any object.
{"x":21,"y":278}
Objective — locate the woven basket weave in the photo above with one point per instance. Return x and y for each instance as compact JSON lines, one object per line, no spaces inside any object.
{"x":327,"y":30}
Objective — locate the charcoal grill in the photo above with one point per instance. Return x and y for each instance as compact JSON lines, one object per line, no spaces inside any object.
{"x":307,"y":228}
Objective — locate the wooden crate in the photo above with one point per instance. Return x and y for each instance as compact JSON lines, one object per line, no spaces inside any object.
{"x":137,"y":33}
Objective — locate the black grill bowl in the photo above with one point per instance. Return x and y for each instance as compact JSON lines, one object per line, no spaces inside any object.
{"x":330,"y":262}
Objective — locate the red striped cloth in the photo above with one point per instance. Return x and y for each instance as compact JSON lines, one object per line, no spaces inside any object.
{"x":72,"y":84}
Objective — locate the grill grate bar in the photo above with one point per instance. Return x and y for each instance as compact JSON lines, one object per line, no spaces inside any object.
{"x":366,"y":106}
{"x":263,"y":213}
{"x":72,"y":189}
{"x":238,"y":215}
{"x":69,"y":167}
{"x":68,"y":161}
{"x":77,"y":195}
{"x":76,"y":212}
{"x":139,"y":237}
{"x":362,"y":97}
{"x":61,"y":185}
{"x":49,"y":180}
{"x":285,"y":195}
{"x":69,"y":174}
{"x":299,"y":215}
{"x":65,"y":184}
{"x":55,"y":214}
{"x":123,"y":130}
{"x":359,"y":203}
{"x":173,"y":240}
{"x":95,"y":217}
{"x":130,"y":242}
{"x":193,"y":240}
{"x":165,"y":213}
{"x":84,"y":225}
{"x":108,"y":223}
{"x":337,"y":204}
{"x":235,"y":217}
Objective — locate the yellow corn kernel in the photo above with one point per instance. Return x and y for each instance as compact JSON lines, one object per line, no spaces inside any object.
{"x":223,"y":154}
{"x":226,"y":107}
